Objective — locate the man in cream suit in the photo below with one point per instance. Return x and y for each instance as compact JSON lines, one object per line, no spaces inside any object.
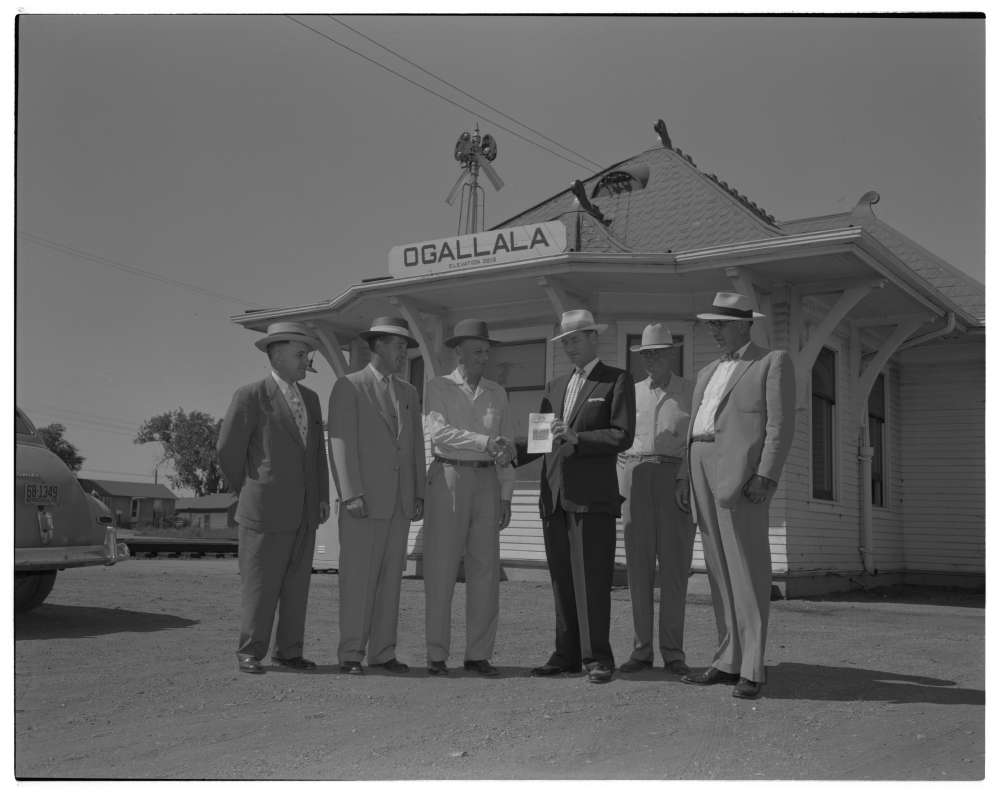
{"x":742,"y":428}
{"x":271,"y":453}
{"x":377,"y":454}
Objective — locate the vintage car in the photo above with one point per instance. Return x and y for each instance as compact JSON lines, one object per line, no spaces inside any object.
{"x":56,"y":524}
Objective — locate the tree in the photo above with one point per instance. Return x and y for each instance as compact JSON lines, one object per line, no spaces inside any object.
{"x":52,"y":435}
{"x":189,"y":441}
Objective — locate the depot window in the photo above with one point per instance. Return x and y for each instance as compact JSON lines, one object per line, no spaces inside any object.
{"x":519,"y":367}
{"x":876,"y":438}
{"x":824,"y":433}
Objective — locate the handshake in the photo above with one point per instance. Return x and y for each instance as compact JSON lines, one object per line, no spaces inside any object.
{"x":502,"y":449}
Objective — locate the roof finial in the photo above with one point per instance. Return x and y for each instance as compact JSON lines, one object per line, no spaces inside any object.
{"x":661,"y":130}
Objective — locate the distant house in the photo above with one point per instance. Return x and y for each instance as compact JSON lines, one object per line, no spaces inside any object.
{"x":213,"y":514}
{"x":133,"y":504}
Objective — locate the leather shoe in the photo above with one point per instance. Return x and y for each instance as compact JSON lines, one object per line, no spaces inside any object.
{"x":554,"y":670}
{"x":599,"y":674}
{"x":251,"y":665}
{"x":635,"y":666}
{"x":437,"y":668}
{"x":298,"y":663}
{"x":481,"y":667}
{"x":351,"y":667}
{"x":711,"y":676}
{"x":746,"y":688}
{"x":677,"y":668}
{"x":393,"y":666}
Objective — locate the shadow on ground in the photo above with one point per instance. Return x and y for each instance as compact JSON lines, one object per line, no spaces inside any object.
{"x":908,"y":594}
{"x":66,"y":621}
{"x":837,"y":683}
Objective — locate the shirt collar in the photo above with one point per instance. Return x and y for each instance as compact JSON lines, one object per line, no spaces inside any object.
{"x":379,"y":375}
{"x":589,"y":366}
{"x":671,"y":387}
{"x":283,"y":384}
{"x":737,"y":355}
{"x":456,"y":376}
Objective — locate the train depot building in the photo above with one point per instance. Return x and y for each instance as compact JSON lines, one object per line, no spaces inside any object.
{"x":886,"y":480}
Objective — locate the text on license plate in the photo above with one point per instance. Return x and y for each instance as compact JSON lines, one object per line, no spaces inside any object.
{"x":41,"y":493}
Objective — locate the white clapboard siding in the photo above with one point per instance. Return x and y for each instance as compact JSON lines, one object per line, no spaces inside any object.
{"x":943,"y":466}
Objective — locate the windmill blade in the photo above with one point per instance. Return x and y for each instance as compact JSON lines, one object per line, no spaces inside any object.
{"x":454,"y":191}
{"x":489,"y":172}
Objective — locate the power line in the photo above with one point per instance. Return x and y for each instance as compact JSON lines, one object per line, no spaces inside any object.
{"x":465,"y":93}
{"x":435,"y":93}
{"x":97,"y":258}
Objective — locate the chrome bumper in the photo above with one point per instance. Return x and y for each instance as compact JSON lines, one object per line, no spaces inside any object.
{"x":38,"y":558}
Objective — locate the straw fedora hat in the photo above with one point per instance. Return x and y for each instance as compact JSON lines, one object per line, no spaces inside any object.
{"x":654,"y":337}
{"x":577,"y":320}
{"x":730,"y":306}
{"x":287,"y":331}
{"x":390,"y":325}
{"x":469,"y":329}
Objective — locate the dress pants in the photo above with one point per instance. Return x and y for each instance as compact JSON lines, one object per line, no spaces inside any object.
{"x":275,"y":569}
{"x":580,"y":550}
{"x":738,"y":559}
{"x":372,"y":558}
{"x":657,"y":534}
{"x":461,"y":519}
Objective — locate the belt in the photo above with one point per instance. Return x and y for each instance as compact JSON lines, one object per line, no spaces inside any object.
{"x":703,"y":438}
{"x":457,"y":463}
{"x":653,"y":459}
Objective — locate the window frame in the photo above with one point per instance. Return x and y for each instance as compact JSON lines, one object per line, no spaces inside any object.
{"x":883,"y":376}
{"x":835,"y":349}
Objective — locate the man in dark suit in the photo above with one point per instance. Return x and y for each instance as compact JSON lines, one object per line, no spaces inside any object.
{"x":594,"y":409}
{"x":742,"y":427}
{"x":271,"y":453}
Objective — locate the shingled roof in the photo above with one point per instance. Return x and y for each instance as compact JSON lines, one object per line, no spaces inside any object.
{"x":680,"y":209}
{"x":683,"y":208}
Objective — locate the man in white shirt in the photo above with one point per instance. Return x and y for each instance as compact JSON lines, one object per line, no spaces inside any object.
{"x":469,"y":487}
{"x":658,"y":533}
{"x":743,"y":427}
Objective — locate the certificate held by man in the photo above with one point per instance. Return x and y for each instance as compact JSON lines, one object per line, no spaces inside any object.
{"x":540,"y":432}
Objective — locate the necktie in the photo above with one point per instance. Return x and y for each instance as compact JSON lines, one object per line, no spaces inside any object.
{"x":298,"y":412}
{"x":385,"y":405}
{"x":572,"y":390}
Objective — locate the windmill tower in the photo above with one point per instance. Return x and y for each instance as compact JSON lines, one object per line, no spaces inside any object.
{"x":474,"y":152}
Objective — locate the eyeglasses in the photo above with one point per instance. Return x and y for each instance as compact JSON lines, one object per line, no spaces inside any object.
{"x":716,"y":323}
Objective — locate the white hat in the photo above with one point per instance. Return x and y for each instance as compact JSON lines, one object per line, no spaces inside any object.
{"x":577,"y":320}
{"x":654,"y":337}
{"x":730,"y":306}
{"x":287,"y":331}
{"x":390,"y":325}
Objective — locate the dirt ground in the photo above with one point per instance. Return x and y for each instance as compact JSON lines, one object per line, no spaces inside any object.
{"x":130,"y":672}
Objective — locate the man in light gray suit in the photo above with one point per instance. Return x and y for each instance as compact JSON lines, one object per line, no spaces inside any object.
{"x":742,"y":429}
{"x":271,"y":453}
{"x":377,"y":454}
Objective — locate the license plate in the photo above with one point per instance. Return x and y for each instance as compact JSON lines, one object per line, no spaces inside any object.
{"x":41,"y":494}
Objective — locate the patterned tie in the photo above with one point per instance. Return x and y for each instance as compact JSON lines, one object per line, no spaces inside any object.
{"x":298,"y":412}
{"x":572,"y":390}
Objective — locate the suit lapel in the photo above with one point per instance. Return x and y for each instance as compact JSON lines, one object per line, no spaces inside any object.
{"x":749,"y":357}
{"x":588,"y":386}
{"x":369,"y":387}
{"x":278,"y":399}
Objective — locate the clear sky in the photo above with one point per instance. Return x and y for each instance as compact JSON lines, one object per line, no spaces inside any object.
{"x":264,"y":165}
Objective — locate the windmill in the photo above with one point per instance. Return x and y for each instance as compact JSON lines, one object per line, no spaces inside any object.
{"x":474,"y":152}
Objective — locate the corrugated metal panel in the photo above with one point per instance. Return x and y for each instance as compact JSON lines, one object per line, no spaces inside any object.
{"x":943,"y":465}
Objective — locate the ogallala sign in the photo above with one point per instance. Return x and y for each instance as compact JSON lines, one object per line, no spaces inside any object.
{"x":497,"y":247}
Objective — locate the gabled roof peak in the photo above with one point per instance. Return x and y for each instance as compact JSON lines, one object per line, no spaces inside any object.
{"x":661,"y":130}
